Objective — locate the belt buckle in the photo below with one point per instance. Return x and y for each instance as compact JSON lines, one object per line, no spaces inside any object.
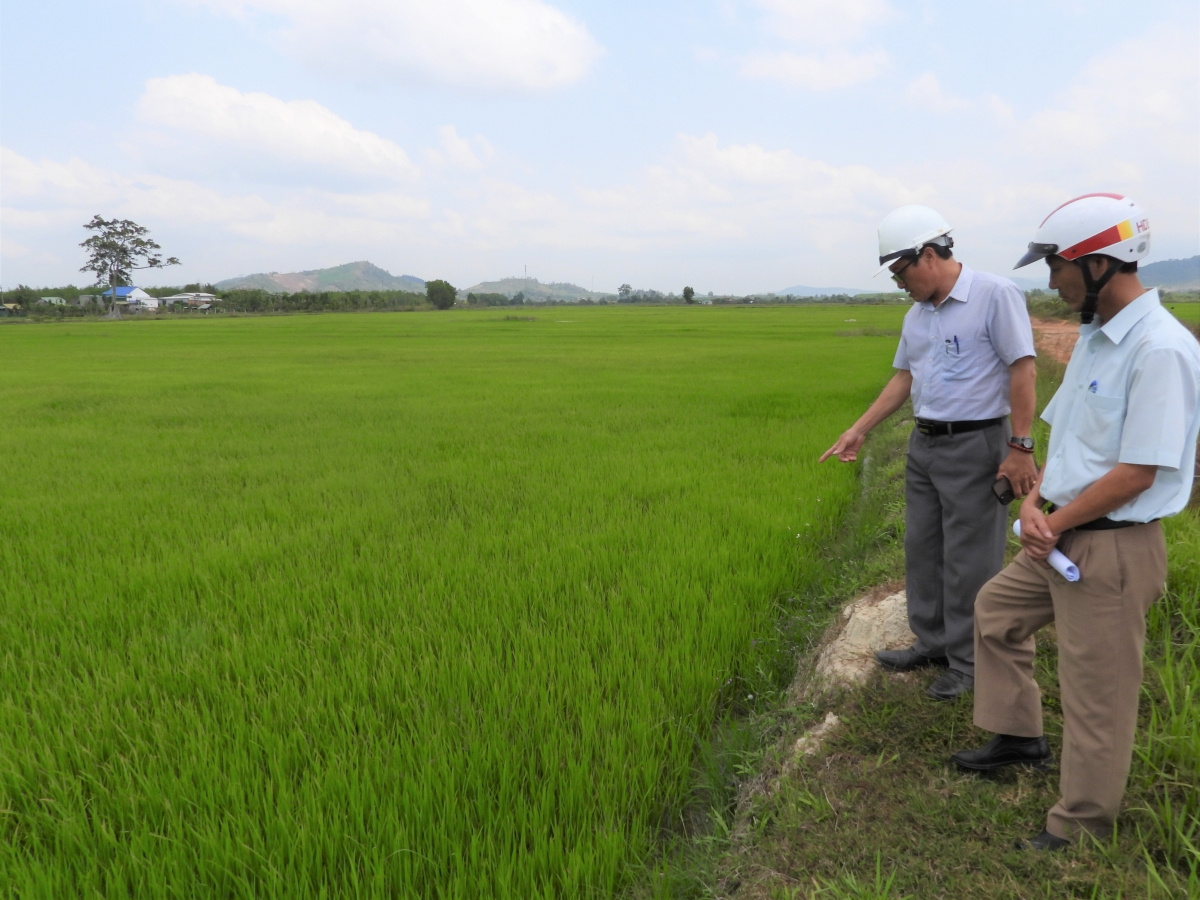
{"x":925,"y":427}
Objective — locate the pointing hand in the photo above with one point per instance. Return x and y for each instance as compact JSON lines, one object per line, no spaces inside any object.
{"x":846,"y":448}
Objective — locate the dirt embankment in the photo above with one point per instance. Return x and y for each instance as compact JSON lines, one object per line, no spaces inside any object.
{"x":1055,"y":337}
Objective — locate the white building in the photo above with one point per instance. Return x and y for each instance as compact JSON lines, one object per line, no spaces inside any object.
{"x":191,"y":298}
{"x":134,"y":296}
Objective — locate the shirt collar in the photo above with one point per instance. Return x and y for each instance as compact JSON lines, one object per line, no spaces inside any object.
{"x":961,"y":288}
{"x":1122,"y":323}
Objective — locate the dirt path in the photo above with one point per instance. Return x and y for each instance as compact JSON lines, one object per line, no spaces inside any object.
{"x":1055,"y":337}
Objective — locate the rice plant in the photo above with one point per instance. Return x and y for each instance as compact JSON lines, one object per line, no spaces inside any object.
{"x":394,"y":605}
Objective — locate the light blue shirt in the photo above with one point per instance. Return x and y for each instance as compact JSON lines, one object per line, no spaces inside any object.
{"x":959,"y":352}
{"x":1129,"y":395}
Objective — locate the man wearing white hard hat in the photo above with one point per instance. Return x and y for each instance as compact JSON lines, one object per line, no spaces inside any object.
{"x":966,"y":359}
{"x":1122,"y":447}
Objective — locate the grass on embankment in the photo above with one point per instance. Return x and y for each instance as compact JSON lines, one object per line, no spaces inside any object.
{"x":880,"y":812}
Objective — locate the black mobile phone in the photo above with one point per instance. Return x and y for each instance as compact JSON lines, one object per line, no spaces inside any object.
{"x":1003,"y":491}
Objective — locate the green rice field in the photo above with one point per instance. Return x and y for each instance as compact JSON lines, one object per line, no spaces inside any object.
{"x":431,"y":605}
{"x":1188,"y":313}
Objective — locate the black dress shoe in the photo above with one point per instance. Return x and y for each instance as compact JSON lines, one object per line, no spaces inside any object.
{"x":1006,"y":750}
{"x":908,"y":659}
{"x":1044,"y":841}
{"x":950,"y":684}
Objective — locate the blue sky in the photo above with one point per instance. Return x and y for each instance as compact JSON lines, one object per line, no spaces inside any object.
{"x":735,"y":145}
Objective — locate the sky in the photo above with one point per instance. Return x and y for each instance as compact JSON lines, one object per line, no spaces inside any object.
{"x":735,"y":146}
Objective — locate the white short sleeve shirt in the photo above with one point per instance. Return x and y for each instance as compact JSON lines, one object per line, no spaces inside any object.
{"x":959,"y":352}
{"x":1129,"y":395}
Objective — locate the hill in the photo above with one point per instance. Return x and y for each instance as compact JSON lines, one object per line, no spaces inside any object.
{"x":534,"y":290}
{"x":355,"y":276}
{"x":1030,"y":284}
{"x":803,"y":290}
{"x":1182,"y":274}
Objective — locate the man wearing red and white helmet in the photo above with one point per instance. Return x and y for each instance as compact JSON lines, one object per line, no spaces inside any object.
{"x":1122,"y":448}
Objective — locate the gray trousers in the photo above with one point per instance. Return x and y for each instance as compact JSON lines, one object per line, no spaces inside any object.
{"x":954,"y":536}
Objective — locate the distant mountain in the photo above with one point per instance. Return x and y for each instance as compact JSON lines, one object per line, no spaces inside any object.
{"x":1183,"y":274}
{"x":534,"y":290}
{"x":803,"y":290}
{"x":1031,"y":284}
{"x":355,"y":276}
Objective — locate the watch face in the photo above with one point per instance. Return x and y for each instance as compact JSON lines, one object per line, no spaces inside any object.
{"x":1024,"y":443}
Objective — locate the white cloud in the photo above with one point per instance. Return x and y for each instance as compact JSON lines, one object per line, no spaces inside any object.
{"x":1002,"y":112}
{"x":294,"y":133}
{"x":834,"y":24}
{"x":46,"y":203}
{"x":927,"y":92}
{"x":824,"y":21}
{"x":835,"y":69}
{"x":1140,"y":99}
{"x":483,"y":45}
{"x":460,"y":152}
{"x":709,"y":198}
{"x":1127,"y":123}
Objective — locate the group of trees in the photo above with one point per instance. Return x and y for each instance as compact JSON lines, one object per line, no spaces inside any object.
{"x":628,"y":294}
{"x":517,"y":299}
{"x":327,"y":301}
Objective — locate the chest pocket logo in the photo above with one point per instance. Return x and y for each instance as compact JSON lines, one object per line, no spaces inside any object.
{"x":958,"y":358}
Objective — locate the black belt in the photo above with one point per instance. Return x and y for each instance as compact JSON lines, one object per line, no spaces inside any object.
{"x":1104,"y":523}
{"x":927,"y":426}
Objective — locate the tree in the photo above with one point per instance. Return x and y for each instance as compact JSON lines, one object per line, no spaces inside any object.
{"x":688,"y":295}
{"x":115,"y":250}
{"x":624,"y":291}
{"x":441,"y":294}
{"x":24,"y":295}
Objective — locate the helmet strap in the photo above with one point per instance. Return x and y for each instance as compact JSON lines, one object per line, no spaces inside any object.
{"x":1094,"y":286}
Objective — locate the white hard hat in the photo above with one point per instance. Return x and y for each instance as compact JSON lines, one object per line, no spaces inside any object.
{"x":906,"y":230}
{"x":1105,"y":224}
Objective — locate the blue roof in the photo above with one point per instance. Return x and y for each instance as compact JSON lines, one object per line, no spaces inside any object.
{"x":121,"y":291}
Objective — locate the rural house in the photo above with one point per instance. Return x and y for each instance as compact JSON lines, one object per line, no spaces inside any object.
{"x":191,"y":298}
{"x":134,"y":296}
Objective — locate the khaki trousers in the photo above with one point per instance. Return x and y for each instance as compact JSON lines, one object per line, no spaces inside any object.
{"x":1101,"y":625}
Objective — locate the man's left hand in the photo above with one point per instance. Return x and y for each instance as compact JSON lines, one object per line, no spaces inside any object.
{"x":1020,"y":470}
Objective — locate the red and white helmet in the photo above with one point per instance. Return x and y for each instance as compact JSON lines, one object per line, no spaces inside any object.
{"x":1105,"y":224}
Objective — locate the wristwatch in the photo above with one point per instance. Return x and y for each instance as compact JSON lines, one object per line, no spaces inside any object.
{"x":1021,"y":443}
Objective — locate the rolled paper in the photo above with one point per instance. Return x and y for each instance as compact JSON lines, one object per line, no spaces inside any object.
{"x":1057,"y":559}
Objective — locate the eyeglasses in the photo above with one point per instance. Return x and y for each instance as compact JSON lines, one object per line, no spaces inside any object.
{"x":898,"y":275}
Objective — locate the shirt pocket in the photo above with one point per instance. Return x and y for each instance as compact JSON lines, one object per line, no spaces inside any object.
{"x":958,"y":358}
{"x":1101,"y":420}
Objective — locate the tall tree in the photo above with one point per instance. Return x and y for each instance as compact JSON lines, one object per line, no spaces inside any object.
{"x":116,"y":249}
{"x":441,"y":294}
{"x":688,"y":294}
